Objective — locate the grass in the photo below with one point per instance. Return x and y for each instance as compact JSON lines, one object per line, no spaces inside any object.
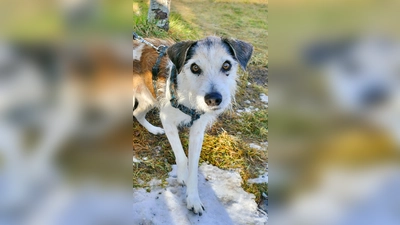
{"x":226,"y":144}
{"x":246,"y":20}
{"x":249,"y":126}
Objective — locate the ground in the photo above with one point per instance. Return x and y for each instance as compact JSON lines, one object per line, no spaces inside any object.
{"x":224,"y":200}
{"x":238,"y":141}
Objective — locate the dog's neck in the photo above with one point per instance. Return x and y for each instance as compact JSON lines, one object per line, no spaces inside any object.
{"x":173,"y":86}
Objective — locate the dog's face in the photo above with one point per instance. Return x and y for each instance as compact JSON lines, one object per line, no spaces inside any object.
{"x":207,"y":70}
{"x":366,"y":78}
{"x":363,"y":78}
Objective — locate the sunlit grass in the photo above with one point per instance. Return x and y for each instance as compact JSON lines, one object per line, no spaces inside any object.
{"x":179,"y":28}
{"x":241,"y":19}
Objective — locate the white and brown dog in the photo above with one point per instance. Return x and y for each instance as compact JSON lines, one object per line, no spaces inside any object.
{"x":194,"y":86}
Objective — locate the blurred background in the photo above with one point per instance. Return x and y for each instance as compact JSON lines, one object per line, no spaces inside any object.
{"x":65,"y":112}
{"x":65,"y":148}
{"x":335,"y":100}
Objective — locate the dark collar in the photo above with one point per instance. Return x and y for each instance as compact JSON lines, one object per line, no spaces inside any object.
{"x":195,"y":115}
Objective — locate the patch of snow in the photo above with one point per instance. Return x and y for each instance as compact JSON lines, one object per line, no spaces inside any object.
{"x":247,"y":102}
{"x":259,"y":180}
{"x":248,"y":83}
{"x":64,"y":204}
{"x":154,"y":183}
{"x":135,"y":160}
{"x":221,"y":193}
{"x":264,"y":98}
{"x":262,"y":146}
{"x":248,"y":109}
{"x":344,"y":196}
{"x":255,"y":146}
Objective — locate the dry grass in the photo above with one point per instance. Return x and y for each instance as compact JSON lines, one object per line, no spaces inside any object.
{"x":220,"y":148}
{"x":226,"y":144}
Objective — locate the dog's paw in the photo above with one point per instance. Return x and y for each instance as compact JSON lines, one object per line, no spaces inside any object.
{"x":156,"y":130}
{"x":194,"y":204}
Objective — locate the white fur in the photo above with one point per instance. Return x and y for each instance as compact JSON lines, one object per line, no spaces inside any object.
{"x":147,"y":102}
{"x":137,"y":52}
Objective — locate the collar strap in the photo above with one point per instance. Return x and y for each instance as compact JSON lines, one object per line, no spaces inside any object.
{"x":174,"y":101}
{"x":162,"y":49}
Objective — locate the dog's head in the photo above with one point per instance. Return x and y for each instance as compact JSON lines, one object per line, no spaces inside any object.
{"x":363,"y":77}
{"x":207,"y":70}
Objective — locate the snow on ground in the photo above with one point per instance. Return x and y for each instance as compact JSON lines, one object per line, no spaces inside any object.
{"x":264,"y":98}
{"x":220,"y":191}
{"x":261,"y":179}
{"x":255,"y":146}
{"x":262,"y":147}
{"x":135,"y":160}
{"x":347,"y":197}
{"x":62,"y":203}
{"x":247,"y":110}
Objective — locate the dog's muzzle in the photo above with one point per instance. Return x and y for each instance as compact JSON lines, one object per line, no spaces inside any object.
{"x":374,"y":96}
{"x":213,"y":99}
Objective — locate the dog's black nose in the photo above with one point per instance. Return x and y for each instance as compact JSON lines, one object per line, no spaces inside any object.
{"x":374,"y":96}
{"x":213,"y":99}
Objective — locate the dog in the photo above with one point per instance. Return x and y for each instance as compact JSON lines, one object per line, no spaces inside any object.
{"x":362,"y":79}
{"x":196,"y":83}
{"x":54,"y":97}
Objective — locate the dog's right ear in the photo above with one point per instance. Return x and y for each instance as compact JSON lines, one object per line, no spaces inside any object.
{"x":177,"y":53}
{"x":242,"y":50}
{"x":319,"y":53}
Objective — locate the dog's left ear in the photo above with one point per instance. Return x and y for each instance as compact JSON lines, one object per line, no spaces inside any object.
{"x":242,"y":51}
{"x":177,"y":53}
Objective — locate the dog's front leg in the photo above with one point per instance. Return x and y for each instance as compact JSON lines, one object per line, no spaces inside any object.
{"x":181,"y":160}
{"x":196,"y":137}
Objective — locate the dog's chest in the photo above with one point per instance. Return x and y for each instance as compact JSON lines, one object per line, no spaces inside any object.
{"x":178,"y":118}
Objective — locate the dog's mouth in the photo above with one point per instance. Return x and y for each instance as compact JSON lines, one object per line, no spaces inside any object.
{"x":211,"y":109}
{"x":215,"y":108}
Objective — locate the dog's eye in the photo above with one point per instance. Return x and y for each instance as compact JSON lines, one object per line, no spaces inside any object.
{"x":195,"y":68}
{"x":226,"y":66}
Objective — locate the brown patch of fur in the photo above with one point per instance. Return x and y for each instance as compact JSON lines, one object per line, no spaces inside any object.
{"x":99,"y":70}
{"x":142,"y":74}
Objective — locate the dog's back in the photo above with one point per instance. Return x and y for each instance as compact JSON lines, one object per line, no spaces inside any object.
{"x":144,"y":92}
{"x":144,"y":58}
